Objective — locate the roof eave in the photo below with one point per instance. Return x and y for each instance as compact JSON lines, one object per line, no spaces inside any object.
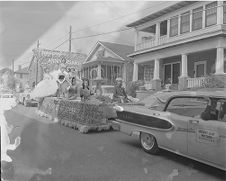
{"x":157,"y":14}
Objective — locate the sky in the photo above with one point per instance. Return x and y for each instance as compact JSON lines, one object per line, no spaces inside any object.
{"x":23,"y":23}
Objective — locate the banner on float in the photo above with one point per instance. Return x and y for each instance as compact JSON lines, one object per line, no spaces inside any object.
{"x":48,"y":58}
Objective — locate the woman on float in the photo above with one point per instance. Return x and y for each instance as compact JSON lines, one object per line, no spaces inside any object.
{"x":85,"y":91}
{"x":47,"y":87}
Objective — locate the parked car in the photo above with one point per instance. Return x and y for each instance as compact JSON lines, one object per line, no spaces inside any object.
{"x":24,"y":98}
{"x":191,"y":124}
{"x":7,"y":100}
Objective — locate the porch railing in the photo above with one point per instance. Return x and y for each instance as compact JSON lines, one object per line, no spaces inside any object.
{"x":196,"y":82}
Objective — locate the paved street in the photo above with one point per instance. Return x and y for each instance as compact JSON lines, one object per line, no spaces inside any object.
{"x":105,"y":156}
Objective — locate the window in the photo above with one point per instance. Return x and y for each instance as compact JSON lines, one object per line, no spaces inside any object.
{"x":187,"y":106}
{"x":148,"y":72}
{"x":211,"y":14}
{"x":174,"y":26}
{"x":185,"y":22}
{"x":224,"y":12}
{"x":21,"y":76}
{"x":197,"y":18}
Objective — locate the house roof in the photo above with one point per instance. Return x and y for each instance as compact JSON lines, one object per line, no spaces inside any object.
{"x":162,"y":12}
{"x":119,"y":49}
{"x":22,"y":71}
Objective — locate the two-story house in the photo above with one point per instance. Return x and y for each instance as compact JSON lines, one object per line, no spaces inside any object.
{"x":22,"y":75}
{"x":180,"y":44}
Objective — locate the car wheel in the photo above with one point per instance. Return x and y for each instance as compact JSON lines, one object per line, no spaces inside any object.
{"x":149,"y":143}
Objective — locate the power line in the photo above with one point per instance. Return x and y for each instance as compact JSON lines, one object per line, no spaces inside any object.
{"x":99,"y":34}
{"x":79,"y":30}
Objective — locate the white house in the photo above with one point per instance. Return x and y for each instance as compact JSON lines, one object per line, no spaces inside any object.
{"x":181,"y":44}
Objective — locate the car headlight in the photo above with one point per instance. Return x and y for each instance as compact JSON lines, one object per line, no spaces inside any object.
{"x":118,"y":108}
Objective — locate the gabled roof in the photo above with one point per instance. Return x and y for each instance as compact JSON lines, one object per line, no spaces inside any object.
{"x":160,"y":13}
{"x":22,"y":71}
{"x":120,"y":50}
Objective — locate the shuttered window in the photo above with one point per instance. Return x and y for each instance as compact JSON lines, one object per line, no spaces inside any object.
{"x":174,"y":26}
{"x":185,"y":22}
{"x":224,"y":12}
{"x":197,"y":18}
{"x":211,"y":14}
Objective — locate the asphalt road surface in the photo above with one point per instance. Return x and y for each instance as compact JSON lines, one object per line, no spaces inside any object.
{"x":51,"y":152}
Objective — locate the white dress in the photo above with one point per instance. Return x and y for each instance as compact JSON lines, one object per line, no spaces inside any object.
{"x":47,"y":87}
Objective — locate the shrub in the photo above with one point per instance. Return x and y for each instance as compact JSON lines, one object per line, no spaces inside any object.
{"x":213,"y":82}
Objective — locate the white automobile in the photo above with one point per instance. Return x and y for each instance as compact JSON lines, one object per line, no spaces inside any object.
{"x":7,"y":101}
{"x":24,"y":98}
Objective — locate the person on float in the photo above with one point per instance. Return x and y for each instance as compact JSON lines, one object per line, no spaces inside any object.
{"x":119,"y":94}
{"x":47,"y":87}
{"x":85,"y":91}
{"x":63,"y":70}
{"x":74,"y":90}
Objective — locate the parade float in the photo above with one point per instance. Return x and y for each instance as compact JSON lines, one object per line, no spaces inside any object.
{"x":92,"y":114}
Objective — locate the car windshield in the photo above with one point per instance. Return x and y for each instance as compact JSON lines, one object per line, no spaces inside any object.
{"x":157,"y":101}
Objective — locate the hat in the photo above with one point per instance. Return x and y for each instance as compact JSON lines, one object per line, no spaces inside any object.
{"x":119,"y":79}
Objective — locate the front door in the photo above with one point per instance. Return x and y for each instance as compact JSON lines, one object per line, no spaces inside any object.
{"x":172,"y":72}
{"x":200,"y":68}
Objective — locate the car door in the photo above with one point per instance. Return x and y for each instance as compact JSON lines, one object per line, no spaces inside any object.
{"x":181,"y":109}
{"x":207,"y":140}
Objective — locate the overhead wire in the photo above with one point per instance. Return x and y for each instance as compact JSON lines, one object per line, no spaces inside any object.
{"x":98,"y":34}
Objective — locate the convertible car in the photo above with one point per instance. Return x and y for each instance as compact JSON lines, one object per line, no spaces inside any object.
{"x":191,"y":124}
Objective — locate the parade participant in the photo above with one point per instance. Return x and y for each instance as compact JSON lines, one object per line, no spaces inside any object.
{"x":47,"y":87}
{"x":119,"y":94}
{"x":98,"y":90}
{"x":63,"y":70}
{"x":63,"y":85}
{"x":74,"y":89}
{"x":85,"y":91}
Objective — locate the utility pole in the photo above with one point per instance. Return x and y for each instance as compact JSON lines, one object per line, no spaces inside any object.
{"x":36,"y":74}
{"x":70,"y":32}
{"x":13,"y":65}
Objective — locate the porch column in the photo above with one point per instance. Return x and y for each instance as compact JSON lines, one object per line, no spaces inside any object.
{"x":220,"y":61}
{"x":99,"y":71}
{"x":157,"y":33}
{"x":156,"y":69}
{"x":136,"y":38}
{"x":184,"y":61}
{"x":168,"y":28}
{"x":184,"y":73}
{"x":203,"y":17}
{"x":156,"y":82}
{"x":135,"y":71}
{"x":220,"y":12}
{"x":179,"y":23}
{"x":190,"y":21}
